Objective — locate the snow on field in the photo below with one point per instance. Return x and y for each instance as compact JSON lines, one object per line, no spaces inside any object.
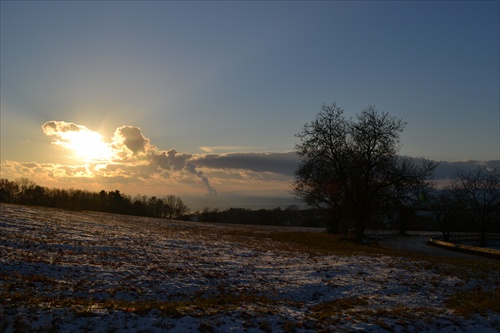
{"x":64,"y":271}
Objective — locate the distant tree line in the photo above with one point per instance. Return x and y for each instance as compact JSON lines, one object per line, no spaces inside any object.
{"x":290,"y":216}
{"x":25,"y":191}
{"x":470,"y":203}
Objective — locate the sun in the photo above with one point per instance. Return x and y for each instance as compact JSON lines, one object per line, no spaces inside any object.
{"x":89,"y":146}
{"x":86,"y":144}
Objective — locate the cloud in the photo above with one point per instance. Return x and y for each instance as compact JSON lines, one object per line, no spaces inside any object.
{"x":132,"y":138}
{"x":84,"y":143}
{"x":446,"y":169}
{"x":224,"y":148}
{"x":44,"y":171}
{"x":63,"y":132}
{"x":172,"y":160}
{"x":279,"y":163}
{"x":58,"y":128}
{"x":131,"y":155}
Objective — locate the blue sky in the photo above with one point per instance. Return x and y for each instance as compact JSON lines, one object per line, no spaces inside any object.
{"x":223,"y":78}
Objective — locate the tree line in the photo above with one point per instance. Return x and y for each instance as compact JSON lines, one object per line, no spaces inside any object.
{"x":25,"y":191}
{"x":290,"y":216}
{"x":472,"y":199}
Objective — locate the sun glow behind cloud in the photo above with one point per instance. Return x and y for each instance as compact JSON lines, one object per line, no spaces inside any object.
{"x":85,"y":144}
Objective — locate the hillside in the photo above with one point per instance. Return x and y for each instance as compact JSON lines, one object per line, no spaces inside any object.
{"x":66,"y":271}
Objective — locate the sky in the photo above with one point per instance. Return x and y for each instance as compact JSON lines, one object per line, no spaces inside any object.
{"x":202,"y":99}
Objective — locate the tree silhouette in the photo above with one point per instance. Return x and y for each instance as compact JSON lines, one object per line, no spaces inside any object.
{"x":480,"y":188}
{"x":24,"y":191}
{"x":349,"y":167}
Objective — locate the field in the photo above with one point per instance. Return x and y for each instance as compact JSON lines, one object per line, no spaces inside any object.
{"x":65,"y":271}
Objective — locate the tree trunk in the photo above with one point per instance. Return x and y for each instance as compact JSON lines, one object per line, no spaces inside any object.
{"x":362,"y":214}
{"x":446,"y":236}
{"x":406,"y":219}
{"x":359,"y":228}
{"x":482,"y":233}
{"x":333,"y":226}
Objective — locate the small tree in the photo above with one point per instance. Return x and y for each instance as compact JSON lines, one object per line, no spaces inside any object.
{"x":174,"y":207}
{"x":8,"y":191}
{"x":481,"y":190}
{"x":349,"y":167}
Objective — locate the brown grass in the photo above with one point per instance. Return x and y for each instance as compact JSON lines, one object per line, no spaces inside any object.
{"x":314,"y":243}
{"x":322,"y":243}
{"x":329,"y":309}
{"x":468,"y":302}
{"x":199,"y":306}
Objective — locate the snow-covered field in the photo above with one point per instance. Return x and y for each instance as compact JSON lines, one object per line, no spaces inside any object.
{"x":63,"y":271}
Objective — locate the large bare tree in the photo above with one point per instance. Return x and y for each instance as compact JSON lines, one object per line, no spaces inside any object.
{"x":350,"y":168}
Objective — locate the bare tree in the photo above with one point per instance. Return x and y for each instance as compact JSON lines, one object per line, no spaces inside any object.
{"x":481,"y":189}
{"x":349,"y":167}
{"x":174,"y":207}
{"x":449,"y":209}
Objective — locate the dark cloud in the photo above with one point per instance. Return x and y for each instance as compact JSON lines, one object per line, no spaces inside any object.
{"x":172,"y":160}
{"x":446,"y":170}
{"x":286,"y":164}
{"x":280,"y":163}
{"x":132,"y":138}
